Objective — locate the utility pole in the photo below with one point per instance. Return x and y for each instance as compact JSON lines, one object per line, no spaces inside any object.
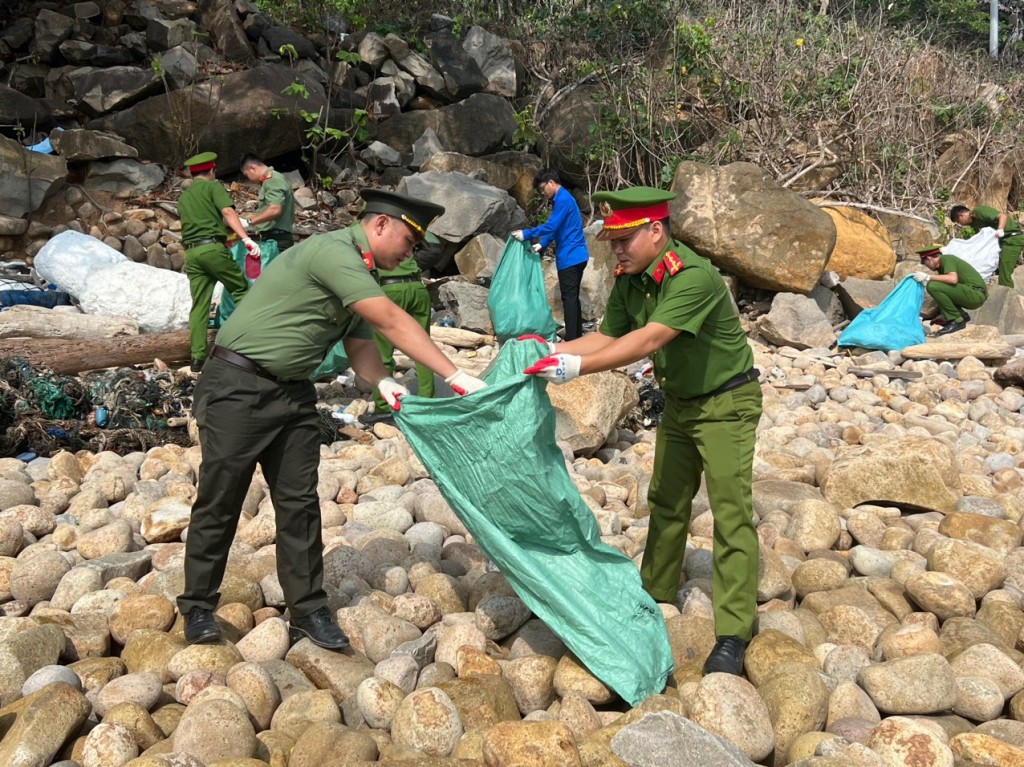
{"x":993,"y":29}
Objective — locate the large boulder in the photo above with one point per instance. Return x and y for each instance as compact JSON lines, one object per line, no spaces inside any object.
{"x":494,"y":57}
{"x":862,"y":245}
{"x":124,"y":177}
{"x":909,"y":235}
{"x":99,"y":91}
{"x":18,"y":109}
{"x":28,"y":178}
{"x":856,"y":294}
{"x":219,"y":18}
{"x":461,"y":73}
{"x":1004,"y":309}
{"x":471,"y":207}
{"x":588,"y":408}
{"x":78,"y":144}
{"x":749,"y":226}
{"x":230,"y":115}
{"x":481,"y":124}
{"x":917,"y":473}
{"x":796,"y":321}
{"x":507,"y":171}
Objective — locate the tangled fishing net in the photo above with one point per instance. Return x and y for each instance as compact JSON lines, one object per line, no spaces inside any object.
{"x":121,"y":410}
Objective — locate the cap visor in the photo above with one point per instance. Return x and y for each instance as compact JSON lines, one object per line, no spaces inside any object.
{"x":616,"y":234}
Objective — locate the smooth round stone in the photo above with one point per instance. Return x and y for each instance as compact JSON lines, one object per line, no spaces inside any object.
{"x":12,"y":537}
{"x":813,"y":525}
{"x":401,"y":670}
{"x":499,"y":616}
{"x":142,"y":688}
{"x":849,"y":701}
{"x":911,"y":639}
{"x":256,"y":687}
{"x":35,"y":578}
{"x":417,"y":609}
{"x":378,"y":700}
{"x":978,"y":567}
{"x":267,"y":641}
{"x":920,"y":684}
{"x":108,"y":745}
{"x":379,"y":515}
{"x":427,"y":721}
{"x":532,"y":679}
{"x":872,"y":562}
{"x":140,"y":611}
{"x":215,"y":730}
{"x":428,"y":533}
{"x":978,"y":699}
{"x":731,"y":707}
{"x":47,"y":675}
{"x":941,"y":594}
{"x":902,"y":741}
{"x":189,"y":685}
{"x":989,"y":662}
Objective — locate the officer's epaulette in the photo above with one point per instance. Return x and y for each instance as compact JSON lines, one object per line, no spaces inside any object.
{"x":619,"y":271}
{"x":671,"y":263}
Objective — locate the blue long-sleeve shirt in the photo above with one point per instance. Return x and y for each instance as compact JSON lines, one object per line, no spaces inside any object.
{"x":565,"y":228}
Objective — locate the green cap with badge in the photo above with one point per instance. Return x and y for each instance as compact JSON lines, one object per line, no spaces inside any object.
{"x":417,"y":214}
{"x":201,"y":162}
{"x":630,"y":208}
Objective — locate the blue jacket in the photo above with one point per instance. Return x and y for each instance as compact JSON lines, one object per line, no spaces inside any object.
{"x":565,"y":227}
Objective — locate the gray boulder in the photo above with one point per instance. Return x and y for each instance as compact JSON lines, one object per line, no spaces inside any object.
{"x":77,"y":144}
{"x":162,"y":35}
{"x":493,"y":56}
{"x":219,"y":19}
{"x":18,"y":109}
{"x":99,"y":91}
{"x":796,"y":321}
{"x":461,"y":73}
{"x":665,"y":739}
{"x":479,"y":125}
{"x":28,"y":178}
{"x":467,"y":303}
{"x":427,"y":78}
{"x":480,"y":257}
{"x":84,"y":53}
{"x":857,"y":295}
{"x":1004,"y":308}
{"x":51,"y":29}
{"x":124,"y":177}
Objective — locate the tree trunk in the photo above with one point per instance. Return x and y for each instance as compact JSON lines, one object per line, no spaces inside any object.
{"x":37,"y":322}
{"x":74,"y":356}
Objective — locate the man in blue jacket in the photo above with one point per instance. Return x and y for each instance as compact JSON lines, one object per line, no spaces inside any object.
{"x":564,"y":227}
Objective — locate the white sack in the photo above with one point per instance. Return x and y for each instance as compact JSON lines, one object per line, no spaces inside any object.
{"x":157,"y":299}
{"x":67,"y":259}
{"x":981,"y":251}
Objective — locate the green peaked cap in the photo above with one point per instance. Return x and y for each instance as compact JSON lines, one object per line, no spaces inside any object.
{"x":417,"y":214}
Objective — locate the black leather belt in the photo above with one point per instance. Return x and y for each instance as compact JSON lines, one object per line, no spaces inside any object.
{"x":204,"y":241}
{"x":240,"y":361}
{"x":738,"y":380}
{"x":395,"y":280}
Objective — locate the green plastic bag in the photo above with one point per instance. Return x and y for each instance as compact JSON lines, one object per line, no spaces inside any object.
{"x":268,"y":252}
{"x":493,"y":456}
{"x":335,"y":362}
{"x":517,"y":302}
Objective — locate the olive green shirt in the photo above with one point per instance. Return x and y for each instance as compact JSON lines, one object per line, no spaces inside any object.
{"x":983,"y":216}
{"x":276,"y":190}
{"x":199,"y":208}
{"x":300,"y":306}
{"x":711,"y":347}
{"x":965,"y":273}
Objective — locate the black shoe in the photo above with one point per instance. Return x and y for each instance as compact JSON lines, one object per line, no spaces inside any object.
{"x":952,"y":327}
{"x":197,"y":365}
{"x":369,"y":419}
{"x":967,"y":317}
{"x":200,"y":626}
{"x":319,"y":627}
{"x":727,"y":657}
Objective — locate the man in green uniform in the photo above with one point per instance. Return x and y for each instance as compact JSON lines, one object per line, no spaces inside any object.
{"x":1011,"y":238}
{"x":254,"y":402}
{"x":403,"y":285}
{"x":672,"y":305}
{"x":275,"y":215}
{"x":207,"y":213}
{"x":956,"y":287}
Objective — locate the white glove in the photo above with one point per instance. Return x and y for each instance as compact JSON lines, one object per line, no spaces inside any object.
{"x":464,"y":383}
{"x":536,"y":247}
{"x":251,"y":247}
{"x":391,"y":391}
{"x":518,"y":235}
{"x":244,"y":222}
{"x":921,"y":277}
{"x":557,"y":368}
{"x":1000,"y":232}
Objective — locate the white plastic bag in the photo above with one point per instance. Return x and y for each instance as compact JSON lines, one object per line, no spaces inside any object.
{"x":157,"y":299}
{"x":981,"y":251}
{"x":68,"y":258}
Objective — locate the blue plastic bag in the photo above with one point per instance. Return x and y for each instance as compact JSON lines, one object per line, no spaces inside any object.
{"x":494,"y":458}
{"x":517,"y":302}
{"x":892,"y":325}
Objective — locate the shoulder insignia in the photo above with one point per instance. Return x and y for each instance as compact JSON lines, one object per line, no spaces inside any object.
{"x":659,"y":272}
{"x":673,"y":263}
{"x":368,"y":260}
{"x":619,"y":271}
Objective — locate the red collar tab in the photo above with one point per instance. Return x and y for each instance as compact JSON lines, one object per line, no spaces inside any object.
{"x":266,"y":175}
{"x":368,"y":259}
{"x":619,"y":271}
{"x":659,"y":272}
{"x":673,"y":263}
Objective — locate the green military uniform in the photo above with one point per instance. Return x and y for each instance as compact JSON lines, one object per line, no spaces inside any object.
{"x":404,"y":285}
{"x":1009,"y":246}
{"x":254,"y":403}
{"x":207,"y":259}
{"x":712,"y":407}
{"x":968,"y":293}
{"x":296,"y":311}
{"x":275,"y":190}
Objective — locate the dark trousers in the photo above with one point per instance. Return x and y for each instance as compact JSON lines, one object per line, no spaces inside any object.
{"x":244,"y":418}
{"x":569,"y":280}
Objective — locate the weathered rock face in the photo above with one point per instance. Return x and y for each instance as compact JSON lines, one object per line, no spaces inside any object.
{"x":79,"y":145}
{"x":494,"y":57}
{"x":738,"y":217}
{"x":857,"y":295}
{"x":1004,"y":308}
{"x":481,"y":124}
{"x":28,"y":178}
{"x":796,"y":321}
{"x":914,"y":472}
{"x":862,"y":245}
{"x":587,"y":409}
{"x":223,"y":115}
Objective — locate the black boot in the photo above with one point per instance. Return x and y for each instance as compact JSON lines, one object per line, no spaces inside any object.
{"x":726,"y":657}
{"x":319,"y":627}
{"x":952,"y":327}
{"x":200,"y":626}
{"x":197,"y":365}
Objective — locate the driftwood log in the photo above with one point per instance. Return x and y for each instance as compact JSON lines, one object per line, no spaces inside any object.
{"x":76,"y":355}
{"x":37,"y":322}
